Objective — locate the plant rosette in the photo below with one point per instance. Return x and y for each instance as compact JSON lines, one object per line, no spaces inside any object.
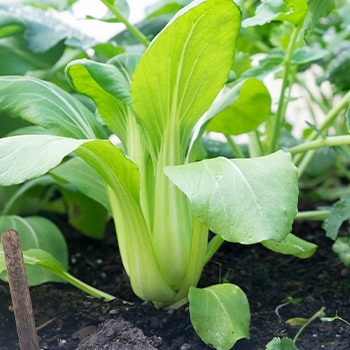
{"x":163,"y":203}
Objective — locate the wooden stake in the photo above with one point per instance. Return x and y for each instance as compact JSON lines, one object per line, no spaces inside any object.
{"x":22,"y":304}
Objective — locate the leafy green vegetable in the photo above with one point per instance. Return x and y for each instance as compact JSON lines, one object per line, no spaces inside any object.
{"x":339,"y":212}
{"x":214,"y":312}
{"x":292,"y":245}
{"x":39,"y":233}
{"x":341,"y":246}
{"x":158,"y":105}
{"x":281,"y":344}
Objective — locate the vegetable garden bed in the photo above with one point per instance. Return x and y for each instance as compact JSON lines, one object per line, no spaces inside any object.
{"x":76,"y":321}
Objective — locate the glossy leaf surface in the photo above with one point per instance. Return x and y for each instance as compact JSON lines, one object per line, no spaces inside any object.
{"x":40,"y":233}
{"x":220,"y":314}
{"x":243,"y":200}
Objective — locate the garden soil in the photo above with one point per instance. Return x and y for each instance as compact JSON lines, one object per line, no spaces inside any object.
{"x":279,"y":288}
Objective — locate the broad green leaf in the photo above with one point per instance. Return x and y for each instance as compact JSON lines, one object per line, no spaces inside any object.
{"x":10,"y":24}
{"x":293,"y":11}
{"x":318,"y":9}
{"x":9,"y":124}
{"x":340,"y":212}
{"x":266,"y":66}
{"x":292,"y":245}
{"x":220,"y":314}
{"x":341,"y":247}
{"x":19,"y":59}
{"x":29,"y":156}
{"x":183,"y":70}
{"x":302,"y":56}
{"x":243,"y":200}
{"x":109,"y":86}
{"x":246,"y":113}
{"x":78,"y":173}
{"x":37,"y":232}
{"x":25,"y":199}
{"x":45,"y":31}
{"x":281,"y":344}
{"x":41,"y":259}
{"x":84,"y":213}
{"x":44,"y":104}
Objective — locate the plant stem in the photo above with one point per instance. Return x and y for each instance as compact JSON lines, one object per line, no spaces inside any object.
{"x":214,"y":244}
{"x":235,"y":148}
{"x":324,"y":142}
{"x":313,"y":215}
{"x":255,"y":148}
{"x":318,"y":314}
{"x":282,"y":103}
{"x":332,"y":114}
{"x":132,"y":29}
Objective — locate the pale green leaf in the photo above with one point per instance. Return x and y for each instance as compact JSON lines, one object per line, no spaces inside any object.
{"x":10,"y":24}
{"x":45,"y":30}
{"x":303,"y":56}
{"x":292,"y":245}
{"x":78,"y":173}
{"x":281,"y":344}
{"x":247,"y":112}
{"x":183,"y":70}
{"x":37,"y":232}
{"x":341,"y":247}
{"x":243,"y":200}
{"x":293,"y":11}
{"x":220,"y":314}
{"x":44,"y":104}
{"x":30,"y":156}
{"x":84,"y":213}
{"x":41,"y":259}
{"x":109,"y":86}
{"x":339,"y":212}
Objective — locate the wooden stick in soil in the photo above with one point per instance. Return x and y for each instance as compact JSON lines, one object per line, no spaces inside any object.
{"x":22,"y":304}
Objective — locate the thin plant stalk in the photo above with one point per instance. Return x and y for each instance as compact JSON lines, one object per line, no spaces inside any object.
{"x":132,"y":29}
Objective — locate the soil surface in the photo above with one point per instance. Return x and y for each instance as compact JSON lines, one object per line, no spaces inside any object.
{"x":69,"y":319}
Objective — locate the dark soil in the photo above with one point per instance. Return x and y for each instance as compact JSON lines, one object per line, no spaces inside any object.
{"x":69,"y":319}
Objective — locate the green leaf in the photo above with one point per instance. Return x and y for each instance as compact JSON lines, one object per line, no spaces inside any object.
{"x":179,"y":75}
{"x":247,"y":112}
{"x":45,"y":31}
{"x":78,"y":173}
{"x":302,"y":55}
{"x":266,"y":66}
{"x":319,"y":9}
{"x":28,"y":156}
{"x":25,"y":199}
{"x":109,"y":86}
{"x":10,"y":24}
{"x":37,"y":232}
{"x":293,"y":11}
{"x":341,"y":247}
{"x":340,"y":212}
{"x":84,"y":213}
{"x":38,"y":258}
{"x":44,"y":104}
{"x":281,"y":344}
{"x":243,"y":200}
{"x":292,"y":245}
{"x":220,"y":314}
